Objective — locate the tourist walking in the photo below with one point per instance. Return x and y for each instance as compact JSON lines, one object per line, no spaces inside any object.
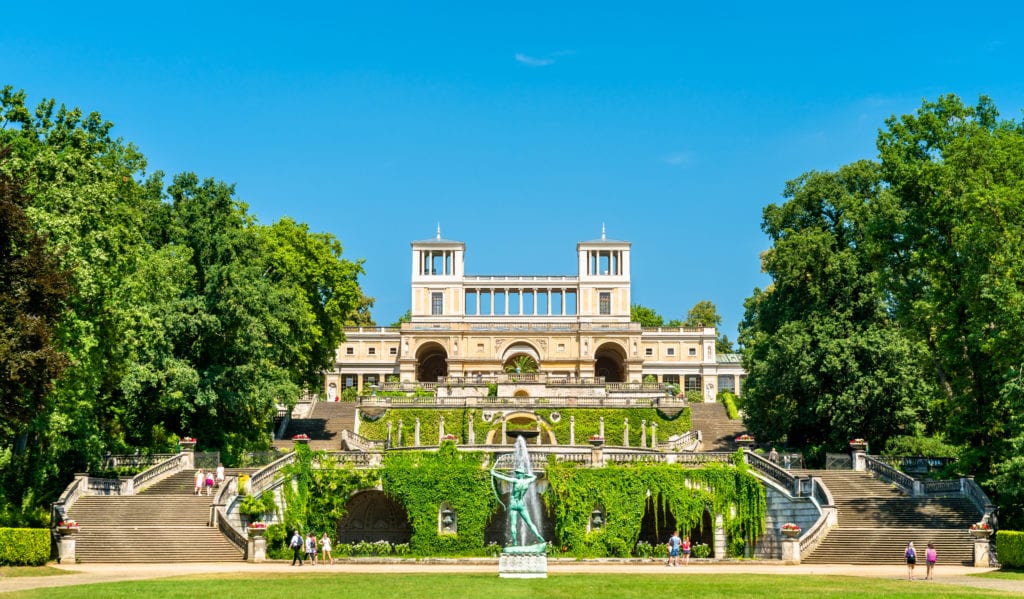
{"x":929,"y":562}
{"x":209,"y":482}
{"x":673,"y":549}
{"x":311,"y":548}
{"x":200,"y":479}
{"x":296,"y":547}
{"x":911,"y":555}
{"x":220,"y":475}
{"x":325,"y":549}
{"x":773,"y":456}
{"x":686,"y":550}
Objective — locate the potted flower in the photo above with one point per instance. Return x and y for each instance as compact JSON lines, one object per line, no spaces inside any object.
{"x":301,"y":438}
{"x":257,"y":529}
{"x":790,"y":530}
{"x":67,"y":527}
{"x":187,"y":443}
{"x":595,"y":440}
{"x":449,"y":437}
{"x":858,"y":444}
{"x":981,"y":530}
{"x":744,"y":440}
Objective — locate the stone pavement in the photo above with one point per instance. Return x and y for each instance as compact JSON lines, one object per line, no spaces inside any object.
{"x":97,"y":573}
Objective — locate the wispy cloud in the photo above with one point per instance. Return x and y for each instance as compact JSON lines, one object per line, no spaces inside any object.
{"x":530,"y":61}
{"x":543,"y":61}
{"x":678,"y":159}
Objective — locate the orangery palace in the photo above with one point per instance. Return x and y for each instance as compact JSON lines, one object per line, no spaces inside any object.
{"x":558,"y":331}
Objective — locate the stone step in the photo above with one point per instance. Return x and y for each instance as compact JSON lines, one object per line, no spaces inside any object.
{"x":886,"y":546}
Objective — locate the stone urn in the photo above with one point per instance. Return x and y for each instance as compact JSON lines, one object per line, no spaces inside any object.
{"x":790,"y":533}
{"x":745,"y":441}
{"x":187,"y":444}
{"x":859,"y":445}
{"x":981,"y":533}
{"x":596,"y":441}
{"x":257,"y":532}
{"x":66,"y":531}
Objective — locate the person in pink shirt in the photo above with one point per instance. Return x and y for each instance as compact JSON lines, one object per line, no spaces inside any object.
{"x":929,"y":558}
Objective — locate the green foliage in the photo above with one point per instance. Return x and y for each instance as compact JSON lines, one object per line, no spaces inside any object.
{"x":24,"y":546}
{"x":277,"y":541}
{"x":1010,"y":548}
{"x":729,"y":401}
{"x":588,"y":423}
{"x":422,"y":481}
{"x":703,"y":314}
{"x":492,"y":389}
{"x":317,"y":498}
{"x":521,"y":364}
{"x":701,"y":551}
{"x":647,"y":317}
{"x":694,"y":396}
{"x":456,"y":422}
{"x":256,"y":508}
{"x":644,"y":549}
{"x":932,"y":447}
{"x":623,"y":492}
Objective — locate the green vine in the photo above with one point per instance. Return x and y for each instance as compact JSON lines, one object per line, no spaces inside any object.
{"x":588,"y":423}
{"x":320,"y":489}
{"x":456,"y":422}
{"x":421,"y":481}
{"x":623,"y":491}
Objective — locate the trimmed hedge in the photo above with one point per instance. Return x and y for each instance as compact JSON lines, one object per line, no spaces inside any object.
{"x":1010,"y":548}
{"x":24,"y":546}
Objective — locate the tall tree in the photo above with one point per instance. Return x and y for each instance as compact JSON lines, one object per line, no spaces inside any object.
{"x":825,"y":362}
{"x":954,"y":251}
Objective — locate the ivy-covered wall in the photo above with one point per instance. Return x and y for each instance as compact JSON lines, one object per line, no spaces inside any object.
{"x":456,"y":422}
{"x":622,"y":492}
{"x":421,"y":481}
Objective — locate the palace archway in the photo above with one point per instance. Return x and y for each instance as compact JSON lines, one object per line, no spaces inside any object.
{"x":431,"y":362}
{"x":373,"y":516}
{"x":610,"y":362}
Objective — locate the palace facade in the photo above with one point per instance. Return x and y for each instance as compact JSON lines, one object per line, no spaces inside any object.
{"x":471,"y":328}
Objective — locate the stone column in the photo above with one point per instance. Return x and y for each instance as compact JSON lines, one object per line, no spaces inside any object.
{"x":572,"y":430}
{"x":981,"y":549}
{"x":625,"y":432}
{"x":643,"y":434}
{"x":601,"y":426}
{"x":257,"y":549}
{"x":791,"y":551}
{"x":720,"y":541}
{"x":472,"y":434}
{"x":66,"y":549}
{"x":416,"y":433}
{"x":859,"y":463}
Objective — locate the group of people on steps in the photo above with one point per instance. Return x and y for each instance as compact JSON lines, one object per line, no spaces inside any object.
{"x":207,"y":480}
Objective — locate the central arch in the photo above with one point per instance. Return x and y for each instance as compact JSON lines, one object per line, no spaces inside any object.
{"x":610,"y":362}
{"x":373,"y":516}
{"x":431,"y":362}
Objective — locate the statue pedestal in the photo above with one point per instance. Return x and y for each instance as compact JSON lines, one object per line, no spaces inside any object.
{"x":523,"y":565}
{"x":791,"y":551}
{"x":257,"y":549}
{"x":981,"y":552}
{"x":66,"y":550}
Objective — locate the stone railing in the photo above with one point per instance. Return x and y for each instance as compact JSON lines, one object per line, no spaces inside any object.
{"x":358,"y":459}
{"x":699,"y":459}
{"x":102,"y":486}
{"x":687,"y":441}
{"x":112,"y":461}
{"x":915,"y":464}
{"x":264,"y":478}
{"x":633,"y":457}
{"x":770,"y":470}
{"x":506,"y":377}
{"x":618,"y":387}
{"x":355,"y":442}
{"x":238,"y":538}
{"x":619,"y":401}
{"x":972,"y":491}
{"x":941,"y":487}
{"x":888,"y":474}
{"x":158,"y":472}
{"x":59,"y":509}
{"x":471,"y":324}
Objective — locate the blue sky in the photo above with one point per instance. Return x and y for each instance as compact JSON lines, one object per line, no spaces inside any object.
{"x":520,"y":128}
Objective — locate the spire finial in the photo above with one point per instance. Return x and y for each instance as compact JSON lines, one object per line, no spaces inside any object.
{"x":602,"y":231}
{"x":439,"y":230}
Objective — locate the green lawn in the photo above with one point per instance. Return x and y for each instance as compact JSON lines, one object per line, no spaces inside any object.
{"x":1002,"y":574}
{"x":489,"y":586}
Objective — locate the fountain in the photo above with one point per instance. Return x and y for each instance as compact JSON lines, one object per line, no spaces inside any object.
{"x":520,"y":559}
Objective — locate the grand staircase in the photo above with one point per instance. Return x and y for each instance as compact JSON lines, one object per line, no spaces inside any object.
{"x":164,"y":523}
{"x":323,"y":425}
{"x":717,"y":430}
{"x":876,"y":520}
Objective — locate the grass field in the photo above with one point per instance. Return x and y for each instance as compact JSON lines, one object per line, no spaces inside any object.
{"x":489,"y":586}
{"x":22,"y":571}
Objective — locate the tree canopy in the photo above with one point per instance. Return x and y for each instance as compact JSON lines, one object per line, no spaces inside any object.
{"x":897,"y":298}
{"x":163,"y":310}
